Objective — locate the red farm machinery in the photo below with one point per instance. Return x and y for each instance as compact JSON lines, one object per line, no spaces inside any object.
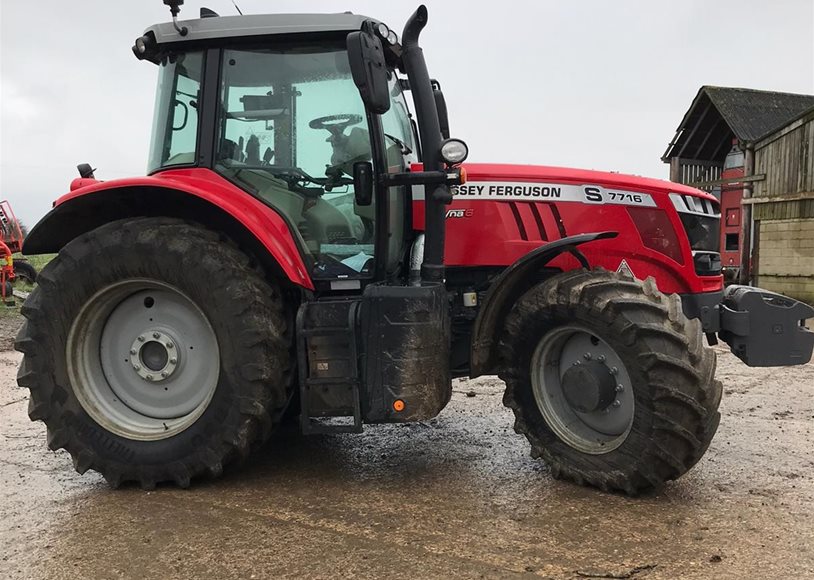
{"x":309,"y":244}
{"x":12,"y":269}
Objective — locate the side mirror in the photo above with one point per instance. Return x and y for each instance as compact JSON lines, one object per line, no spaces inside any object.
{"x":363,"y":182}
{"x":369,"y":71}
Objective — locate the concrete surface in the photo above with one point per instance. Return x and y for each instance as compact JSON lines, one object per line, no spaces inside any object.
{"x":457,"y":497}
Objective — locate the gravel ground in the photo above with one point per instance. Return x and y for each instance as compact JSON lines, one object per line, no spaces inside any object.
{"x":456,"y":497}
{"x":10,"y":323}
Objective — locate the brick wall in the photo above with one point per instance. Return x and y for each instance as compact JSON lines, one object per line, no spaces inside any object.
{"x":786,"y":257}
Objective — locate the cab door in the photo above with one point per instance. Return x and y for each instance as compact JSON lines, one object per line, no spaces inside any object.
{"x":291,"y":126}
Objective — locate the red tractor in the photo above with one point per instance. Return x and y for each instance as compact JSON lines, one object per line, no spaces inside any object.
{"x":305,"y":245}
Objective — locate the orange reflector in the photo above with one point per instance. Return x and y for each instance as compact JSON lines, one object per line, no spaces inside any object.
{"x":398,"y":405}
{"x":463,"y":175}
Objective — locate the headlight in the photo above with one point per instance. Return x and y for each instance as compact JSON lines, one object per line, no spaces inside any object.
{"x":454,"y":151}
{"x":145,"y":47}
{"x":382,"y":30}
{"x":393,"y":38}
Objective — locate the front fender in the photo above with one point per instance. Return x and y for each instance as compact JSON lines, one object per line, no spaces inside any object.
{"x":507,"y":289}
{"x":197,"y":195}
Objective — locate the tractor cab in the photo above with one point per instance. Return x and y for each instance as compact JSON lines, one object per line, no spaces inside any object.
{"x":272,"y":105}
{"x":306,"y":113}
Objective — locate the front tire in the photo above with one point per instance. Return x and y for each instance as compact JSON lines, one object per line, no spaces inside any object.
{"x":139,"y":367}
{"x":609,"y":381}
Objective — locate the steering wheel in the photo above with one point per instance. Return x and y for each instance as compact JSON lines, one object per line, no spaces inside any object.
{"x":335,"y":124}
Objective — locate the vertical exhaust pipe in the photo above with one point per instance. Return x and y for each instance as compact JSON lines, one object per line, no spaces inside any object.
{"x":432,"y":268}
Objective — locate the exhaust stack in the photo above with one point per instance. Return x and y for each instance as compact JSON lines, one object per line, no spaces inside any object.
{"x":437,"y":196}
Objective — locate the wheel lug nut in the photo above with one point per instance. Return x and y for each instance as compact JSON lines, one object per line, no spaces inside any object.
{"x":156,"y":335}
{"x":620,"y":388}
{"x":141,"y":339}
{"x":132,"y":351}
{"x":614,"y":371}
{"x":601,"y":358}
{"x":149,"y":377}
{"x":587,"y":356}
{"x":173,"y":361}
{"x":577,"y":363}
{"x":165,"y":374}
{"x":617,"y":404}
{"x":170,"y":345}
{"x":137,"y":367}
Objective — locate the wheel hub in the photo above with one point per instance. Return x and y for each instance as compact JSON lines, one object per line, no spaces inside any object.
{"x":589,"y":387}
{"x":583,"y":389}
{"x":153,"y":356}
{"x":143,"y":359}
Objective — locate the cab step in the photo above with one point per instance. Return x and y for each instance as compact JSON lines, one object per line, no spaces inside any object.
{"x":328,"y":359}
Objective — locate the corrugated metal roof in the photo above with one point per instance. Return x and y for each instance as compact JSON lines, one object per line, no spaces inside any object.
{"x":800,"y":119}
{"x":753,"y":114}
{"x":718,"y":114}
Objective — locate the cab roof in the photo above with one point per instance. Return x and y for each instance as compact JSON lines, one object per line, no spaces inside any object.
{"x":224,"y":27}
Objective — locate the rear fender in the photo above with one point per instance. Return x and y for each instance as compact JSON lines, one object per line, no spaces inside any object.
{"x":507,"y":289}
{"x":220,"y":206}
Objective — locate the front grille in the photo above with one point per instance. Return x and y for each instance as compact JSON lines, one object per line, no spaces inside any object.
{"x":701,"y":218}
{"x":707,"y":263}
{"x":704,"y":232}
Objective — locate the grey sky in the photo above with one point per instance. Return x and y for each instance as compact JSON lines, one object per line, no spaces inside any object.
{"x":592,"y":84}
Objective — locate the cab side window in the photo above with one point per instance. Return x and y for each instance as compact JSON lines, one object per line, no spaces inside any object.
{"x":175,"y":132}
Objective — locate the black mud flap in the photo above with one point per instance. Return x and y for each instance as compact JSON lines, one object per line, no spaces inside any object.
{"x":406,"y":344}
{"x":765,"y":329}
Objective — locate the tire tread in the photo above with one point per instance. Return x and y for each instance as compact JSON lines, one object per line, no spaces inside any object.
{"x":685,"y":394}
{"x":267,"y":381}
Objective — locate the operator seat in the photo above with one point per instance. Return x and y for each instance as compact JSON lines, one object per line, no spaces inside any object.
{"x":253,"y":151}
{"x":348,"y":149}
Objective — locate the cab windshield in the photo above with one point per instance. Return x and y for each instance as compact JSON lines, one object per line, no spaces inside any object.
{"x":291,"y":126}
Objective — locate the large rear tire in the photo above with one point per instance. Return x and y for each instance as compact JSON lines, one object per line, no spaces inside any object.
{"x":609,"y":381}
{"x":155,"y":352}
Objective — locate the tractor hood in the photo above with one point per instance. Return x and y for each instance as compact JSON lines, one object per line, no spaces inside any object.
{"x":547,"y":174}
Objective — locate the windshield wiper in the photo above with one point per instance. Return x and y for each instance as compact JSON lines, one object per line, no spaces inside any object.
{"x":404,"y":149}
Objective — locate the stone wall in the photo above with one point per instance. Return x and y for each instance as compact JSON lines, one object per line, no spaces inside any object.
{"x":786,"y":257}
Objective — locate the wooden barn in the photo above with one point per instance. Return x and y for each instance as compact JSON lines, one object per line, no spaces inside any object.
{"x":754,"y":150}
{"x":782,"y":203}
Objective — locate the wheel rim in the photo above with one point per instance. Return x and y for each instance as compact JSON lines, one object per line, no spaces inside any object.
{"x":143,"y":360}
{"x":583,"y":390}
